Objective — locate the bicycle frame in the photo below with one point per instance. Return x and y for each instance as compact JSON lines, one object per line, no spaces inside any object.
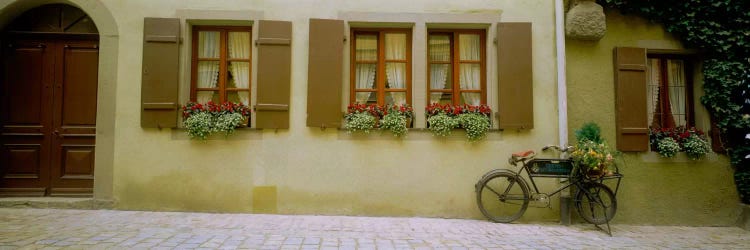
{"x":573,"y":178}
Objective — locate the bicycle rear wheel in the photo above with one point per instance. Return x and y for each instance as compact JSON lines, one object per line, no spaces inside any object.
{"x":596,"y":203}
{"x":502,"y":196}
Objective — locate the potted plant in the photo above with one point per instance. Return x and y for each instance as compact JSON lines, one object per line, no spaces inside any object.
{"x":592,"y":154}
{"x":668,"y":141}
{"x":362,"y":117}
{"x":443,"y":118}
{"x":202,"y":120}
{"x":397,"y":118}
{"x":440,"y":119}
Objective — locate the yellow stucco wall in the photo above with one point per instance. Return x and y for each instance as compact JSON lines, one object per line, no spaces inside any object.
{"x":655,"y":190}
{"x":305,"y":170}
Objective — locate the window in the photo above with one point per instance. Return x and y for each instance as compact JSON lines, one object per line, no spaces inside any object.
{"x":221,"y":64}
{"x":456,"y":67}
{"x":669,"y":92}
{"x":381,"y":66}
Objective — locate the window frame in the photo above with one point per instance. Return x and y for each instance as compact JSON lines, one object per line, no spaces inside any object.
{"x":380,"y":76}
{"x":455,"y":63}
{"x":223,"y":61}
{"x":689,"y":98}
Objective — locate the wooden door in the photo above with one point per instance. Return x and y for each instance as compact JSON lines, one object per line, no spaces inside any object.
{"x":49,"y":118}
{"x":74,"y":118}
{"x":26,"y":118}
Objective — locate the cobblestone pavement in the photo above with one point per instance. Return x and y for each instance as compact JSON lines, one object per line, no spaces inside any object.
{"x":106,"y":229}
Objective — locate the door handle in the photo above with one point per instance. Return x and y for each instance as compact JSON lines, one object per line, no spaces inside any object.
{"x":56,"y":133}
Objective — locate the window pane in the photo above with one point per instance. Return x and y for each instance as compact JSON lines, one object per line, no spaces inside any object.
{"x":239,"y":96}
{"x":398,"y":98}
{"x":366,"y":98}
{"x":208,"y":44}
{"x":471,"y":98}
{"x":395,"y":74}
{"x":208,"y":74}
{"x":469,"y":47}
{"x":440,"y":48}
{"x":239,"y":45}
{"x":440,"y":76}
{"x":366,"y":47}
{"x":654,"y":80}
{"x":239,"y":75}
{"x":441,"y":97}
{"x":470,"y":78}
{"x":395,"y":46}
{"x":365,"y":75}
{"x":677,"y":91}
{"x":205,"y":96}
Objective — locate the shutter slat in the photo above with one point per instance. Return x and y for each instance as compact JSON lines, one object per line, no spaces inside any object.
{"x":324,"y":73}
{"x":274,"y":74}
{"x":515,"y":76}
{"x":159,"y":82}
{"x":630,"y":91}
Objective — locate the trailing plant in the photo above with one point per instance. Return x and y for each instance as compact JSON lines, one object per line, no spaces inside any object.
{"x":475,"y":124}
{"x":589,"y":131}
{"x":696,"y":147}
{"x":442,"y":124}
{"x":720,"y":29}
{"x":668,"y":147}
{"x":202,"y":120}
{"x":396,"y":119}
{"x":362,"y":117}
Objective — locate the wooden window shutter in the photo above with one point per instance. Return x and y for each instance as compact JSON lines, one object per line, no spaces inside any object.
{"x":159,"y":82}
{"x":515,"y":76}
{"x":324,"y":73}
{"x":630,"y":95}
{"x":274,"y":74}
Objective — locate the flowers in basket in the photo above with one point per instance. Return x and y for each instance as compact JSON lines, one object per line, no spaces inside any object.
{"x":592,"y":154}
{"x":669,"y":141}
{"x":443,"y":118}
{"x":202,"y":120}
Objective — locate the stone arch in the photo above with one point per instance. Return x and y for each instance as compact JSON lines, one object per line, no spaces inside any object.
{"x":108,"y":57}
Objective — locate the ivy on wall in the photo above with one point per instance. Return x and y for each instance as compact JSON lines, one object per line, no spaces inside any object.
{"x":721,"y":30}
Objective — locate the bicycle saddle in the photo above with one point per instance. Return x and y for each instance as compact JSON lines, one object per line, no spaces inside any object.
{"x":523,"y":154}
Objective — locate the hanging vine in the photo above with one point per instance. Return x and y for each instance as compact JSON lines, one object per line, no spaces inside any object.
{"x":721,"y":30}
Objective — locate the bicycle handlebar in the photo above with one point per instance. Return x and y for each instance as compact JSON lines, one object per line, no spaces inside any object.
{"x":558,"y":148}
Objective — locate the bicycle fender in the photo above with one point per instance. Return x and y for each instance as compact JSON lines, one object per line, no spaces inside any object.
{"x":499,"y":170}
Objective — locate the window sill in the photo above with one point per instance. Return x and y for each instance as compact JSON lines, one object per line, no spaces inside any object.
{"x":240,"y":134}
{"x":415,"y":134}
{"x":680,"y":157}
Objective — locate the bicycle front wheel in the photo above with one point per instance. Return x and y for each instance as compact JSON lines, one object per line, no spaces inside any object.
{"x":502,"y":196}
{"x":596,"y":203}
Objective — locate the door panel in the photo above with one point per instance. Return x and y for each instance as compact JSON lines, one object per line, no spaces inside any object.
{"x":26,"y":117}
{"x":74,"y":122}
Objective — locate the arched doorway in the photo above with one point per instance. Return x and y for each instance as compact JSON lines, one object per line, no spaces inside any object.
{"x":50,"y":57}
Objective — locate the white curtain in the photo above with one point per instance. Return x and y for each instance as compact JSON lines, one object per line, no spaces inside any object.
{"x":654,"y":81}
{"x":366,"y":50}
{"x":395,"y":49}
{"x":470,"y":73}
{"x":677,"y":91}
{"x":239,"y":48}
{"x":440,"y":51}
{"x":208,"y":71}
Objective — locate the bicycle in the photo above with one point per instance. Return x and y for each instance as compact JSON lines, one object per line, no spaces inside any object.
{"x":503,"y":195}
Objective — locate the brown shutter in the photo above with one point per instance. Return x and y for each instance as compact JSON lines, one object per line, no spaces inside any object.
{"x":630,"y":94}
{"x":324,"y":73}
{"x":159,"y":82}
{"x":274,"y":74}
{"x":515,"y":76}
